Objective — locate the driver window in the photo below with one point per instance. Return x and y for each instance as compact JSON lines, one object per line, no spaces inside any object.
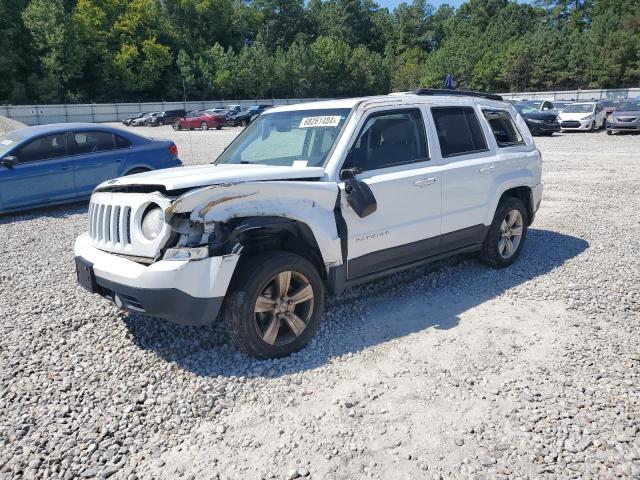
{"x":43,"y":148}
{"x":389,"y":139}
{"x":90,"y":142}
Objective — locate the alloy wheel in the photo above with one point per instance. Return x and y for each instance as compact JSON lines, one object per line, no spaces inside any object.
{"x":510,"y":234}
{"x":283,"y":308}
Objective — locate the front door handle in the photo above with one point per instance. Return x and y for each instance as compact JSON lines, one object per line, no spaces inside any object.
{"x":64,"y":168}
{"x":425,"y":182}
{"x":490,"y":169}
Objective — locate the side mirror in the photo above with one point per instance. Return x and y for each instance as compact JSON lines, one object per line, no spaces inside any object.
{"x":9,"y":161}
{"x":359,"y":196}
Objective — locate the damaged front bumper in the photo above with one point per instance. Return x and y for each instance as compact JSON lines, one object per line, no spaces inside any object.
{"x":188,"y":292}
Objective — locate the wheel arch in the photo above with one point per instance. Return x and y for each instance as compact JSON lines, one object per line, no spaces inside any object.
{"x":525,"y":195}
{"x":264,"y":233}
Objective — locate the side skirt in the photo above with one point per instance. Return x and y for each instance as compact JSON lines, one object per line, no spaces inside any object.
{"x":390,"y":271}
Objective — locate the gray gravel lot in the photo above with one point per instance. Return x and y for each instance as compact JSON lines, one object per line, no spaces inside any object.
{"x":449,"y":371}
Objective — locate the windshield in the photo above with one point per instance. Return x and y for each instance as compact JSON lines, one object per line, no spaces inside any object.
{"x":629,"y":107}
{"x":8,"y":141}
{"x":524,"y":108}
{"x":535,"y":105}
{"x":300,"y":137}
{"x":560,"y":105}
{"x":579,"y":108}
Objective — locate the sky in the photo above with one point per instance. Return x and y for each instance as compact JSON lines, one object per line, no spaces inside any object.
{"x":391,"y":4}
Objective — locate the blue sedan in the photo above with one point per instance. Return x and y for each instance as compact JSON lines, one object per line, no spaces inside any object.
{"x":54,"y":164}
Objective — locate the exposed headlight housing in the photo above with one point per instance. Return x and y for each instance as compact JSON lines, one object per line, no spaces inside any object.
{"x":152,"y":221}
{"x":588,"y":117}
{"x":194,"y":253}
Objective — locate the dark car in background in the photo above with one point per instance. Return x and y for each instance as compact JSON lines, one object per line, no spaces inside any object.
{"x":625,"y":118}
{"x":539,"y":123}
{"x":202,"y":120}
{"x":167,"y":117}
{"x":540,"y":105}
{"x":60,"y":163}
{"x":245,"y":117}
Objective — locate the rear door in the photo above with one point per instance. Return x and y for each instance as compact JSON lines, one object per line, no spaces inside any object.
{"x":392,"y":156}
{"x":43,"y":173}
{"x":97,"y":158}
{"x":470,"y":166}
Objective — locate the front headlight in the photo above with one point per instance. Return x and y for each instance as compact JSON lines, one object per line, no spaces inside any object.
{"x":152,"y":222}
{"x":588,"y":117}
{"x":534,"y":121}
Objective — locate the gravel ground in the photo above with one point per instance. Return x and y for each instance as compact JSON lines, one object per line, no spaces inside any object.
{"x":8,"y":124}
{"x":449,"y":371}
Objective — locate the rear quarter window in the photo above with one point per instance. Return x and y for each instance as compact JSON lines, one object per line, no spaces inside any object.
{"x":504,"y":129}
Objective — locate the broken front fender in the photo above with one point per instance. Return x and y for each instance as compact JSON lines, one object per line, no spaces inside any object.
{"x":311,"y":203}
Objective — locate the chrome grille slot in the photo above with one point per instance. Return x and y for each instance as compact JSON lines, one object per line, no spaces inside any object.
{"x":109,"y":225}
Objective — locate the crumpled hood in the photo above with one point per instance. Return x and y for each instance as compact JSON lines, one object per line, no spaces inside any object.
{"x":203,"y":175}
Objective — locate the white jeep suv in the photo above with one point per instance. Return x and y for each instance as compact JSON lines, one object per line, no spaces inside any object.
{"x":314,"y":198}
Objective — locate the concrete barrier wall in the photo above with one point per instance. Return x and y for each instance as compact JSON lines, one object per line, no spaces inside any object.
{"x":115,"y":112}
{"x":617,"y":93}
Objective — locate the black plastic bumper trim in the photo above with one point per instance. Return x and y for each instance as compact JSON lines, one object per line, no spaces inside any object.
{"x":167,"y":303}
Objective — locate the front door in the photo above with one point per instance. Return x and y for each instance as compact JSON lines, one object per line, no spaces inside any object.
{"x":43,"y":173}
{"x":391,"y":156}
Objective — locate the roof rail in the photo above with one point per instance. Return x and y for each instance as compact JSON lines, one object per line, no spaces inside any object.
{"x":457,"y":93}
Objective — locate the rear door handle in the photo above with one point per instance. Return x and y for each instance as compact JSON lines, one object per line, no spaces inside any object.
{"x":425,"y":182}
{"x":490,"y":169}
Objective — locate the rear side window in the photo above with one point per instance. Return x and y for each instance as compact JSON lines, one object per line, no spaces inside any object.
{"x":91,"y":142}
{"x":503,"y":128}
{"x":458,"y":131}
{"x":122,"y":142}
{"x":43,"y":148}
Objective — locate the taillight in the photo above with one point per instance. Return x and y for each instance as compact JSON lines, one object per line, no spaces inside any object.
{"x":173,"y":150}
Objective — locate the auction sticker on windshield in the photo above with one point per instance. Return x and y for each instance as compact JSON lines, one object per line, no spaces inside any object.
{"x":324,"y":121}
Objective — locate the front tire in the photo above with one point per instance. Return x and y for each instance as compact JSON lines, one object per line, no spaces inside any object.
{"x":507,"y":234}
{"x":204,"y":126}
{"x":275,"y":305}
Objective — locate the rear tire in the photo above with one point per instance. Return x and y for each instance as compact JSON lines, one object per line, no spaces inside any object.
{"x":218,"y":128}
{"x":275,"y":305}
{"x":506,"y":235}
{"x":204,"y":126}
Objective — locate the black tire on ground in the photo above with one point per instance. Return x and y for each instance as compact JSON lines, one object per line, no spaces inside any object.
{"x":243,"y":123}
{"x":136,"y":170}
{"x":204,"y":126}
{"x":256,"y":278}
{"x":592,"y":128}
{"x":609,"y":132}
{"x":490,"y":252}
{"x":160,"y":123}
{"x":218,"y":128}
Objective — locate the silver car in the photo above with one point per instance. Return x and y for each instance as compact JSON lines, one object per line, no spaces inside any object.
{"x":625,"y":118}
